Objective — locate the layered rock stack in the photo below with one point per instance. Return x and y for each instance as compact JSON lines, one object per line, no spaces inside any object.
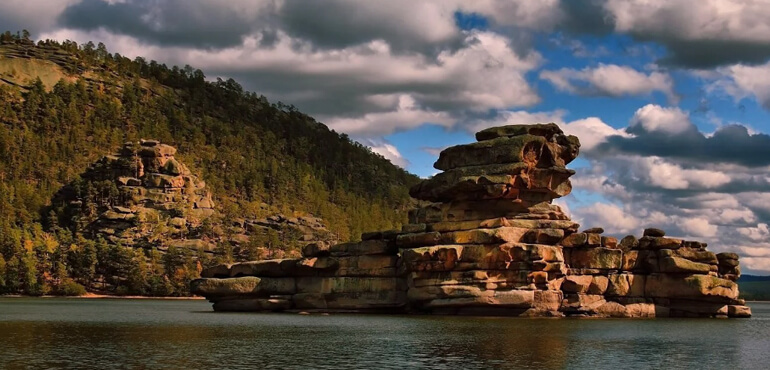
{"x":360,"y":276}
{"x":492,"y":243}
{"x":138,"y":194}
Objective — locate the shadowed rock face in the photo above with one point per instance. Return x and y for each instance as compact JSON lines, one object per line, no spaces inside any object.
{"x":493,"y":243}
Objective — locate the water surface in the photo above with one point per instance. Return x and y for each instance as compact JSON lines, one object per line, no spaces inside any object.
{"x":123,"y":333}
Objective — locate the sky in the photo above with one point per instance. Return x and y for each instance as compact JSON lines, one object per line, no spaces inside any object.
{"x":670,"y":98}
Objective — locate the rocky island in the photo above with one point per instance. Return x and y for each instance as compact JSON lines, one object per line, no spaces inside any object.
{"x":491,"y":242}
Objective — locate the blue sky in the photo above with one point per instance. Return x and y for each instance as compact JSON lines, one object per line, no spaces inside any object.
{"x":670,"y":98}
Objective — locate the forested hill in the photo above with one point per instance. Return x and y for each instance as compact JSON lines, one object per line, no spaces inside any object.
{"x":64,"y":105}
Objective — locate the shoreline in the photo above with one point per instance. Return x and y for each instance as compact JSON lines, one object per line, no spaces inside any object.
{"x":104,"y":296}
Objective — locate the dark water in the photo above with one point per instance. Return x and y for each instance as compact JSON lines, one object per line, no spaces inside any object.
{"x":106,"y":334}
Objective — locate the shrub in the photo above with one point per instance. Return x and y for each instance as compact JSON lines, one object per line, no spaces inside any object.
{"x":70,"y":288}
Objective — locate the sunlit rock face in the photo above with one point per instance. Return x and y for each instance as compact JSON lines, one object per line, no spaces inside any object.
{"x":141,"y":196}
{"x":492,"y":243}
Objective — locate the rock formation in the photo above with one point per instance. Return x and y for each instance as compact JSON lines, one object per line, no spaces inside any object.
{"x":492,"y":243}
{"x":138,"y":196}
{"x":143,"y":197}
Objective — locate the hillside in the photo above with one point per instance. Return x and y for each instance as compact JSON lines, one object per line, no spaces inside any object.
{"x":63,"y":106}
{"x":755,"y":288}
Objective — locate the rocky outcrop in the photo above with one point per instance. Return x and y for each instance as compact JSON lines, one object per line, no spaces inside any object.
{"x":141,"y":196}
{"x":493,"y":243}
{"x":144,"y":197}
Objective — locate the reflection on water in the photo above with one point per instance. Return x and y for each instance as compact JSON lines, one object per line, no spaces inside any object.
{"x":45,"y":333}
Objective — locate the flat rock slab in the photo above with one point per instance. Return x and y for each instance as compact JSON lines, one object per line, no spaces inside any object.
{"x":243,"y":286}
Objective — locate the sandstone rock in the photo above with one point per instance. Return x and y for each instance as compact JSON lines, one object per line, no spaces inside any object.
{"x":593,"y":240}
{"x":266,"y":268}
{"x":738,"y":311}
{"x":626,"y":285}
{"x":315,"y":266}
{"x":327,"y":285}
{"x":546,"y":130}
{"x":418,"y":239}
{"x":645,"y":310}
{"x":544,"y":236}
{"x":576,"y":284}
{"x":631,"y":261}
{"x":680,"y":265}
{"x":609,"y":242}
{"x":695,"y":255}
{"x":582,"y":303}
{"x":452,"y":185}
{"x":628,"y":242}
{"x":575,"y":240}
{"x":243,"y":286}
{"x":599,"y":285}
{"x":474,"y":277}
{"x":363,"y":248}
{"x":690,"y":287}
{"x":530,"y":149}
{"x":431,"y":297}
{"x":316,"y":250}
{"x":649,"y":242}
{"x":492,"y":243}
{"x":595,"y":258}
{"x":654,"y":232}
{"x":594,"y":230}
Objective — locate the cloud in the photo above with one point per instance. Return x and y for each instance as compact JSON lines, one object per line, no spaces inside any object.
{"x":654,"y":118}
{"x":194,"y":23}
{"x":610,"y":80}
{"x":698,"y":227}
{"x":698,"y":33}
{"x":591,"y":131}
{"x":741,"y":81}
{"x":700,"y":190}
{"x":657,"y":172}
{"x":363,"y":83}
{"x":338,"y":24}
{"x":609,"y":216}
{"x":34,"y":15}
{"x":407,"y":115}
{"x":434,"y":151}
{"x":387,"y":150}
{"x":669,"y":133}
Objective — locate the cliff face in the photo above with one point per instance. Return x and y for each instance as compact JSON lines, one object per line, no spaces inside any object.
{"x":493,"y":243}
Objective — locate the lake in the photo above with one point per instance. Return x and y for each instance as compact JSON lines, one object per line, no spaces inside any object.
{"x":141,"y":333}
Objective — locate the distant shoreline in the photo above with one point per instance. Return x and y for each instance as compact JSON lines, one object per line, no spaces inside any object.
{"x":104,"y":296}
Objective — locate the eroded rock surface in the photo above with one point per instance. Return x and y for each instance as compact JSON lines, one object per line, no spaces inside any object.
{"x":492,"y":243}
{"x":144,"y":197}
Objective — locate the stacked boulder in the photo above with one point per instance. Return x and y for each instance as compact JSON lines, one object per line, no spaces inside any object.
{"x":492,"y":243}
{"x":489,"y":243}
